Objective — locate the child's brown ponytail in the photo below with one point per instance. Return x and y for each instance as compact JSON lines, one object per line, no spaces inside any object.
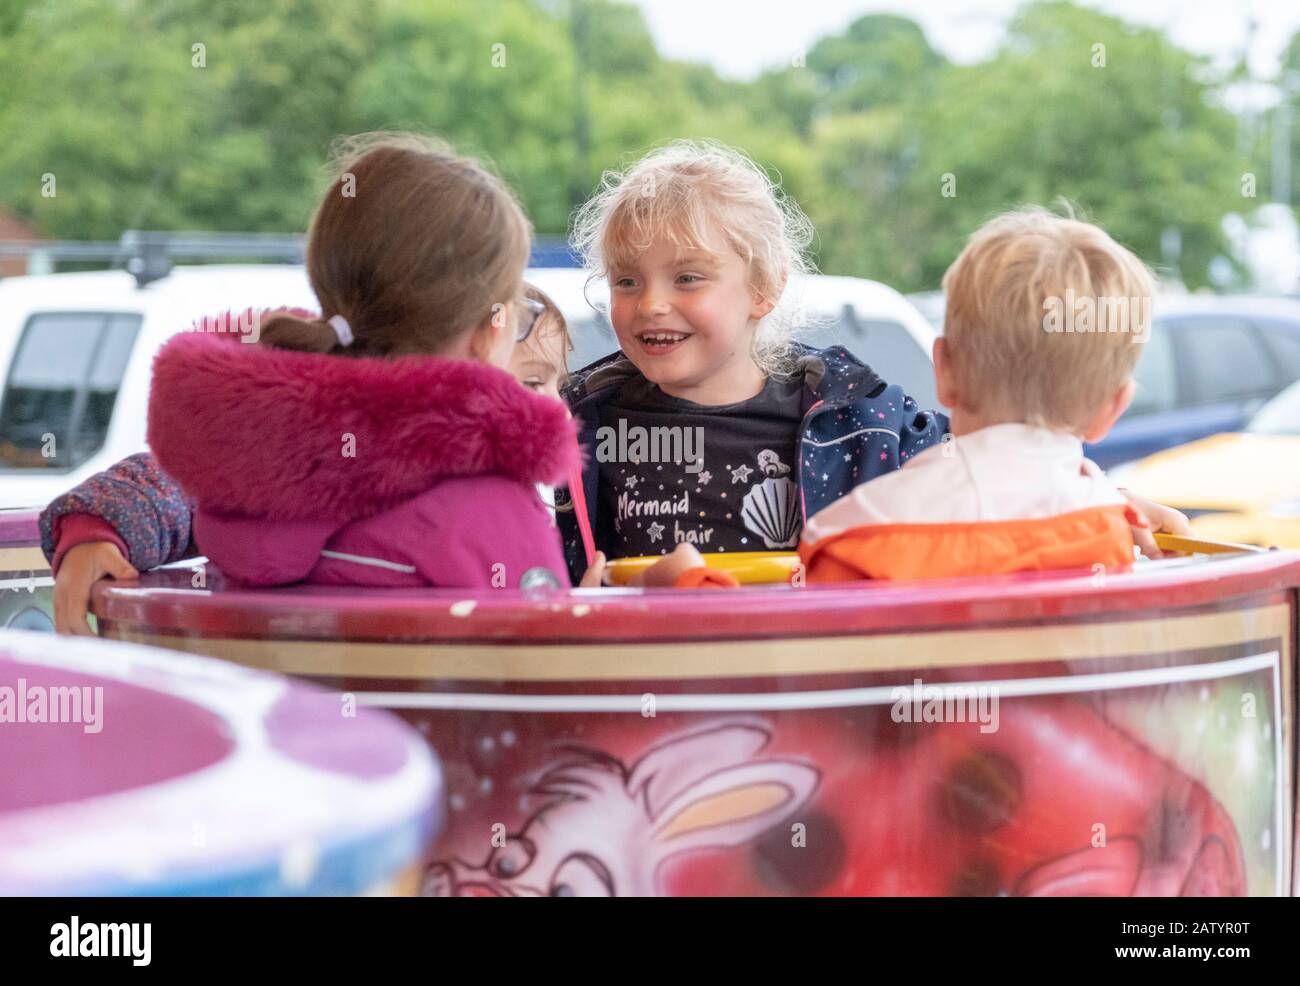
{"x":289,"y":332}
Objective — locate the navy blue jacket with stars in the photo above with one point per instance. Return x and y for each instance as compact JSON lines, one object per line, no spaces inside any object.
{"x":855,"y":427}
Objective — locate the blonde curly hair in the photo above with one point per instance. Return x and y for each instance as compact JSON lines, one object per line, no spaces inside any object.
{"x":681,"y":191}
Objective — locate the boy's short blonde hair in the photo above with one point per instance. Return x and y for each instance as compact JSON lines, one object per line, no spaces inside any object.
{"x":1045,"y":319}
{"x":682,"y":191}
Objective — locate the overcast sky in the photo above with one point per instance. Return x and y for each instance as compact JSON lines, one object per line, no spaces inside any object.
{"x":742,"y":37}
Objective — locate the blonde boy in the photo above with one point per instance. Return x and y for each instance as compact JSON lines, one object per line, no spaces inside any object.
{"x":1046,"y":317}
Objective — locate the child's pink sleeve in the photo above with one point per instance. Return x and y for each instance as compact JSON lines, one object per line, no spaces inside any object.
{"x":71,"y":530}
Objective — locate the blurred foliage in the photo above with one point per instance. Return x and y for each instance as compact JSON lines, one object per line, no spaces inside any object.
{"x":112,"y":100}
{"x":1289,"y":85}
{"x":879,"y":61}
{"x":1138,"y":144}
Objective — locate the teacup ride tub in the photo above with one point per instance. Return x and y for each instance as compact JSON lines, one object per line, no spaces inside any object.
{"x":1074,"y":734}
{"x":127,"y":770}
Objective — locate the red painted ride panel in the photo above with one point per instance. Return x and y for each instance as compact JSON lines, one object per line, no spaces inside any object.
{"x":1136,"y":734}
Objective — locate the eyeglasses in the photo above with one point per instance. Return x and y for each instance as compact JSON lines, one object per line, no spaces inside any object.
{"x":530,"y":311}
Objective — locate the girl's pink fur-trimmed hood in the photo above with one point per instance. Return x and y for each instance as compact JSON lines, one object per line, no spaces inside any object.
{"x":250,"y":430}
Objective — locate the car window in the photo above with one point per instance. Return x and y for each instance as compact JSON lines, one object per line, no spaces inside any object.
{"x":883,"y":344}
{"x":593,"y":337}
{"x":1285,"y":344}
{"x":62,"y":387}
{"x":1156,"y":376}
{"x":1280,"y":416}
{"x":1226,"y":360}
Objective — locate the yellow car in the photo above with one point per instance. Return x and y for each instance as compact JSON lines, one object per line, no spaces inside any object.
{"x":1242,"y":487}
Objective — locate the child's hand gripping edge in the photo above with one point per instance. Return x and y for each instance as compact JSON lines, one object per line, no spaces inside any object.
{"x":1158,"y":518}
{"x":83,"y":566}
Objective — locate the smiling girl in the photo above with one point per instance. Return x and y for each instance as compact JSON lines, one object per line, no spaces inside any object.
{"x":698,"y":245}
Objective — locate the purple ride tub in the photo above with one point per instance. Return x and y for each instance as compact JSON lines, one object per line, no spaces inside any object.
{"x":167,"y":774}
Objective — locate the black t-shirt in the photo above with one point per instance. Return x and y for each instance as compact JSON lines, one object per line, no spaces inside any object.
{"x":720,"y":478}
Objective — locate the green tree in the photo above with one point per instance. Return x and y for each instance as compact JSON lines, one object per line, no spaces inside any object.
{"x":172,"y":115}
{"x":1137,"y":141}
{"x":1287,"y":117}
{"x":495,"y":79}
{"x":98,"y":105}
{"x":880,"y":60}
{"x":182,"y":114}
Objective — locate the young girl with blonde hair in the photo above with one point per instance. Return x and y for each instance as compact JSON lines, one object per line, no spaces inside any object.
{"x":699,"y":246}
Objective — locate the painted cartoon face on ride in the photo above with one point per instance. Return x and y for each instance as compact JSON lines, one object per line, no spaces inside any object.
{"x":687,"y":317}
{"x":605,"y":828}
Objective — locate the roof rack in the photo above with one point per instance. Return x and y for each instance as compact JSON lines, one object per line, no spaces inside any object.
{"x":149,"y":255}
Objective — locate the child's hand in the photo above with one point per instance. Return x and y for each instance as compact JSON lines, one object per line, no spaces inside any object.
{"x":667,"y":570}
{"x":1159,"y":518}
{"x":591,"y":578}
{"x":81,"y":568}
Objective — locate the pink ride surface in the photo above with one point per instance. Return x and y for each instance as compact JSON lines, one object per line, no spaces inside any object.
{"x":127,"y":770}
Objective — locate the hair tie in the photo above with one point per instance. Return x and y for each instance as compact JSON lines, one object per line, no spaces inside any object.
{"x":341,"y":329}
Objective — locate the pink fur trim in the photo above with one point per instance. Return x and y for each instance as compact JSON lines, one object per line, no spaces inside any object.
{"x":251,"y":430}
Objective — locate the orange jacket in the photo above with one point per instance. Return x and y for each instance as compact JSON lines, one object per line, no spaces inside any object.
{"x":1081,"y":539}
{"x":1006,"y":498}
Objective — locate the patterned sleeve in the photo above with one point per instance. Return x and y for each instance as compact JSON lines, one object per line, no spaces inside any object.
{"x":919,"y":430}
{"x":138,"y":500}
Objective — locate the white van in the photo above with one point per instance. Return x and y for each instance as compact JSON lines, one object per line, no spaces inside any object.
{"x":76,"y":351}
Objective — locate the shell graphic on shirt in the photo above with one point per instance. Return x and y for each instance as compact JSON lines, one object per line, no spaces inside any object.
{"x":771,"y":508}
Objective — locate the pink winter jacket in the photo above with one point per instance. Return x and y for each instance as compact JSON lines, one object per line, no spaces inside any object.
{"x":355,"y":471}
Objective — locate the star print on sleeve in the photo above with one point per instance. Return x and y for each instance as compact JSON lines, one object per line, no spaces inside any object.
{"x":740,"y":475}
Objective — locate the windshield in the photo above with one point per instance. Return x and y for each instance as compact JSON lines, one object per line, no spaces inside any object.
{"x":58,"y":400}
{"x":884,"y":344}
{"x":1280,"y":416}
